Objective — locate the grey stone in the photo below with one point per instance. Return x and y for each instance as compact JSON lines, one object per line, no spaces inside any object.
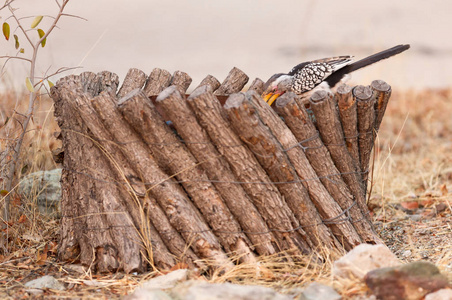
{"x":317,"y":291}
{"x":362,"y":259}
{"x":199,"y":290}
{"x":46,"y":188}
{"x":45,"y":282}
{"x":167,"y":281}
{"x":444,"y":294}
{"x":144,"y":294}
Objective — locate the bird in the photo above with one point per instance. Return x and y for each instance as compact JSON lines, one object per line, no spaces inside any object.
{"x":307,"y":77}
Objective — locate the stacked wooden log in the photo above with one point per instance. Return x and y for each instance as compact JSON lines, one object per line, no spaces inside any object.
{"x":154,"y":177}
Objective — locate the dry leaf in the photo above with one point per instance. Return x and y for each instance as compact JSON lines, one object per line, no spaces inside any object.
{"x":444,"y":190}
{"x":410,"y":205}
{"x":22,"y":219}
{"x":178,"y":266}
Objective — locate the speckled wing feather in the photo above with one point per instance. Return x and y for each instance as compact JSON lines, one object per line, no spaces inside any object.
{"x":308,"y":75}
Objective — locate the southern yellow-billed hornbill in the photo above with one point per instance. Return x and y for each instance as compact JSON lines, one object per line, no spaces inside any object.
{"x":307,"y":77}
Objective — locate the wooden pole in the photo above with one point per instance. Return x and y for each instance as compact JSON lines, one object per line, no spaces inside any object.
{"x":269,"y":153}
{"x":218,"y":170}
{"x":135,"y":79}
{"x":349,"y":120}
{"x":253,"y":178}
{"x":365,"y":101}
{"x":327,"y":117}
{"x":210,"y":81}
{"x":91,"y":225}
{"x":158,"y":80}
{"x":383,"y":93}
{"x":182,"y":80}
{"x":329,"y":210}
{"x":257,"y":85}
{"x":172,"y":156}
{"x":233,"y":83}
{"x":298,"y":120}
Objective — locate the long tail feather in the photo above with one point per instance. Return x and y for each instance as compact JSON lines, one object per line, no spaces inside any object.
{"x":337,"y":76}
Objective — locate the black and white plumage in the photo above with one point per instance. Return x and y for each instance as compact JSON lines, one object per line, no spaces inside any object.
{"x":307,"y":77}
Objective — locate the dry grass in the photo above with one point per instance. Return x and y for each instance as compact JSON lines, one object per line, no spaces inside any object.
{"x":413,"y":164}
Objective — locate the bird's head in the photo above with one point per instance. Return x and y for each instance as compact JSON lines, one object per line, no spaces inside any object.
{"x":277,"y":85}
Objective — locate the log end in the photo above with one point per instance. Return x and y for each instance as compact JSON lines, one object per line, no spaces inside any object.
{"x":285,"y":99}
{"x":235,"y":101}
{"x":199,"y":91}
{"x":210,"y":81}
{"x":362,"y":93}
{"x":129,"y":95}
{"x":380,"y":85}
{"x":319,"y":96}
{"x":257,"y":85}
{"x":168,"y":92}
{"x":344,"y":89}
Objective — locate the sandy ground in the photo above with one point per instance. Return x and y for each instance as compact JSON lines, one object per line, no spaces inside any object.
{"x":260,"y":37}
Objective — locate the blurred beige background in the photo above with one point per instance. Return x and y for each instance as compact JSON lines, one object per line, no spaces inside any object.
{"x":260,"y":37}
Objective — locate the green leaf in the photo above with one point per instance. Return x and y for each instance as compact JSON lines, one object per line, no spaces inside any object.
{"x":36,"y":21}
{"x":3,"y":192}
{"x":29,"y":85}
{"x":6,"y":30}
{"x":22,"y":50}
{"x":16,"y":38}
{"x":41,"y":34}
{"x":50,"y":83}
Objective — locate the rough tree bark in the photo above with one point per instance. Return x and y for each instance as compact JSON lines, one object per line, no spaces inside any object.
{"x":299,"y":122}
{"x":271,"y":156}
{"x":327,"y":117}
{"x":210,"y":81}
{"x":157,"y":81}
{"x":173,"y":157}
{"x":329,"y":210}
{"x":349,"y":120}
{"x":182,"y":80}
{"x":365,"y":101}
{"x":383,"y":93}
{"x":218,"y":170}
{"x":257,"y":85}
{"x":234,"y":83}
{"x":99,"y":229}
{"x":255,"y":181}
{"x":134,"y":79}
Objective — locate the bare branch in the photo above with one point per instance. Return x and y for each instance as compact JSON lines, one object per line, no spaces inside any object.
{"x":15,"y":57}
{"x":60,"y":70}
{"x":7,"y":3}
{"x":20,"y":26}
{"x":74,"y":16}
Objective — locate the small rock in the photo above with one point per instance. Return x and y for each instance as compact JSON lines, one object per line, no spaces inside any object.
{"x":411,"y":281}
{"x":167,"y":281}
{"x":46,"y":187}
{"x":317,"y":291}
{"x":34,"y":292}
{"x":143,"y":294}
{"x":406,"y":253}
{"x":201,"y":290}
{"x":444,"y":294}
{"x":45,"y":282}
{"x":362,"y":259}
{"x":415,"y":218}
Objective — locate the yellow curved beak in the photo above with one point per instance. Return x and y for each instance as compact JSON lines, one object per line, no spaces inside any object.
{"x":271,"y":97}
